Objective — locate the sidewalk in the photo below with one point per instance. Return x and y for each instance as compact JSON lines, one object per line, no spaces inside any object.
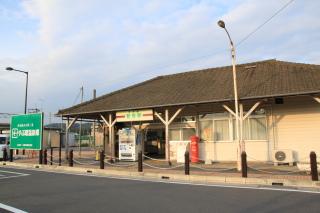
{"x":222,"y":172}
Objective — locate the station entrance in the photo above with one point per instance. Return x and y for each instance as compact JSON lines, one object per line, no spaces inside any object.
{"x":154,"y":143}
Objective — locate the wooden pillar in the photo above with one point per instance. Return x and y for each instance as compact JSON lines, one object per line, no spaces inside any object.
{"x":167,"y":136}
{"x":66,"y":146}
{"x":110,"y":124}
{"x":242,"y":118}
{"x":167,"y":122}
{"x":243,"y":148}
{"x":68,"y":125}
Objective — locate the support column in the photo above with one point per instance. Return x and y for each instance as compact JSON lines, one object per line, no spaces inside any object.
{"x":68,"y":126}
{"x":167,"y":122}
{"x":66,"y":146}
{"x":243,"y":148}
{"x":242,"y":118}
{"x":167,"y":137}
{"x":110,"y":124}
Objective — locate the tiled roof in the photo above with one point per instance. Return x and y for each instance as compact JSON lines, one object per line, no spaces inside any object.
{"x":270,"y":78}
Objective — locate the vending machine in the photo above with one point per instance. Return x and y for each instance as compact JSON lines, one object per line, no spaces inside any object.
{"x":130,"y":144}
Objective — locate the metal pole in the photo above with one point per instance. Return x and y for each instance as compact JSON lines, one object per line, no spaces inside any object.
{"x":71,"y":158}
{"x":60,"y":153}
{"x":51,"y":157}
{"x":40,"y":156}
{"x":244,"y":164}
{"x":45,"y":157}
{"x":239,"y":150}
{"x":26,"y":97}
{"x":101,"y":159}
{"x":140,"y":169}
{"x":80,"y":130}
{"x":236,"y":103}
{"x":11,"y":155}
{"x":186,"y":163}
{"x":313,"y":165}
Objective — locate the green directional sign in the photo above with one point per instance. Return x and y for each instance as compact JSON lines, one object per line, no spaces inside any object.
{"x":26,"y":131}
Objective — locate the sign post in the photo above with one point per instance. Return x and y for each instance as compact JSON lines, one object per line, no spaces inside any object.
{"x":26,"y":131}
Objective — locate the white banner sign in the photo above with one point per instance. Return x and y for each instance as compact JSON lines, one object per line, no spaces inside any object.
{"x":135,"y":115}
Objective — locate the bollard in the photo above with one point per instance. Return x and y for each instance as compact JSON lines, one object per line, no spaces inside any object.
{"x":186,"y":163}
{"x":102,"y":160}
{"x":23,"y":152}
{"x":51,"y":156}
{"x":71,"y":158}
{"x":40,"y":156}
{"x":140,"y":169}
{"x":11,"y":155}
{"x":60,"y":156}
{"x":5,"y":155}
{"x":313,"y":166}
{"x":244,"y":164}
{"x":45,"y":156}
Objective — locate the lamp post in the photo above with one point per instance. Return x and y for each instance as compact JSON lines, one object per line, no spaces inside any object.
{"x":222,"y":25}
{"x":26,"y":98}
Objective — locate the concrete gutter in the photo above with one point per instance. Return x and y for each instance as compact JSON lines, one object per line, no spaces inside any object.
{"x":315,"y":185}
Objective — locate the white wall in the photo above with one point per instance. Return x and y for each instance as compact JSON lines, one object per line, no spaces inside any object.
{"x":296,"y":126}
{"x":293,"y":125}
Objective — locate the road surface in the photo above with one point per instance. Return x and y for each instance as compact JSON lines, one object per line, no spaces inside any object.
{"x":36,"y":190}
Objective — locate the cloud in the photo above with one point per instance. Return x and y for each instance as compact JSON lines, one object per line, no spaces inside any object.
{"x":108,"y":44}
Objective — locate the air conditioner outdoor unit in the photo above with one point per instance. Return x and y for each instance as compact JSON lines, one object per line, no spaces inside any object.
{"x":282,"y":156}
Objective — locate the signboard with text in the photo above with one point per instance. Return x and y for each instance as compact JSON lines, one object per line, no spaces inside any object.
{"x":26,"y":131}
{"x":135,"y":115}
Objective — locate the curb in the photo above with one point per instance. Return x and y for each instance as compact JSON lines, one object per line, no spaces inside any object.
{"x":179,"y":177}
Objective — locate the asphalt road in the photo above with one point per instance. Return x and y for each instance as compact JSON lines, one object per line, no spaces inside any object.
{"x":43,"y":191}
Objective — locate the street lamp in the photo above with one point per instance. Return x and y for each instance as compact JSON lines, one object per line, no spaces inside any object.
{"x":25,"y":103}
{"x":222,"y":25}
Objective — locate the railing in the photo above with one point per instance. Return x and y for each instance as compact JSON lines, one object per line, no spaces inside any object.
{"x":248,"y":168}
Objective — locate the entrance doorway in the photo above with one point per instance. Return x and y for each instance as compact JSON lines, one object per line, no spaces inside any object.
{"x":155,"y":143}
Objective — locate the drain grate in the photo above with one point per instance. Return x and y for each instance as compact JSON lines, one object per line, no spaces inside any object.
{"x":165,"y":177}
{"x":277,"y":184}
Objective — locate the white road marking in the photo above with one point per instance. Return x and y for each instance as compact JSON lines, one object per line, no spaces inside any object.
{"x":172,"y":182}
{"x":11,"y":174}
{"x":11,"y":209}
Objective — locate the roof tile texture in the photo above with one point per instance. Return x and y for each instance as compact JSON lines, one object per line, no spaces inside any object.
{"x":268,"y":78}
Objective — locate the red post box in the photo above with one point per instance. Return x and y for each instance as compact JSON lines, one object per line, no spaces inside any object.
{"x":194,"y":149}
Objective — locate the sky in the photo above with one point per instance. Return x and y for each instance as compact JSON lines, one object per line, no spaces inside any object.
{"x":108,"y":45}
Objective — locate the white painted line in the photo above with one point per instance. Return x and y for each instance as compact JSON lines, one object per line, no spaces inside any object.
{"x":11,"y":209}
{"x":11,"y":174}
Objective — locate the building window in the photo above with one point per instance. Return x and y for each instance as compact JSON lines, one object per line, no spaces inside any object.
{"x":182,"y":134}
{"x":175,"y":134}
{"x":222,"y":129}
{"x":183,"y":119}
{"x":222,"y":126}
{"x":255,"y":129}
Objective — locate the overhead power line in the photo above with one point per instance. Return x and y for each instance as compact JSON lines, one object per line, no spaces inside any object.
{"x":193,"y":59}
{"x":77,"y":98}
{"x":264,"y":23}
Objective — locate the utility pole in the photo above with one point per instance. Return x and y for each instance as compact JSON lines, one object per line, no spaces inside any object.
{"x":80,"y":129}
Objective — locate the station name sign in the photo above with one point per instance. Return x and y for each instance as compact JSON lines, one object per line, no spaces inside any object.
{"x":134,"y":115}
{"x":26,"y":131}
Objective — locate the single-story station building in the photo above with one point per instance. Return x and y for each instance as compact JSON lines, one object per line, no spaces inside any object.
{"x":278,"y":111}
